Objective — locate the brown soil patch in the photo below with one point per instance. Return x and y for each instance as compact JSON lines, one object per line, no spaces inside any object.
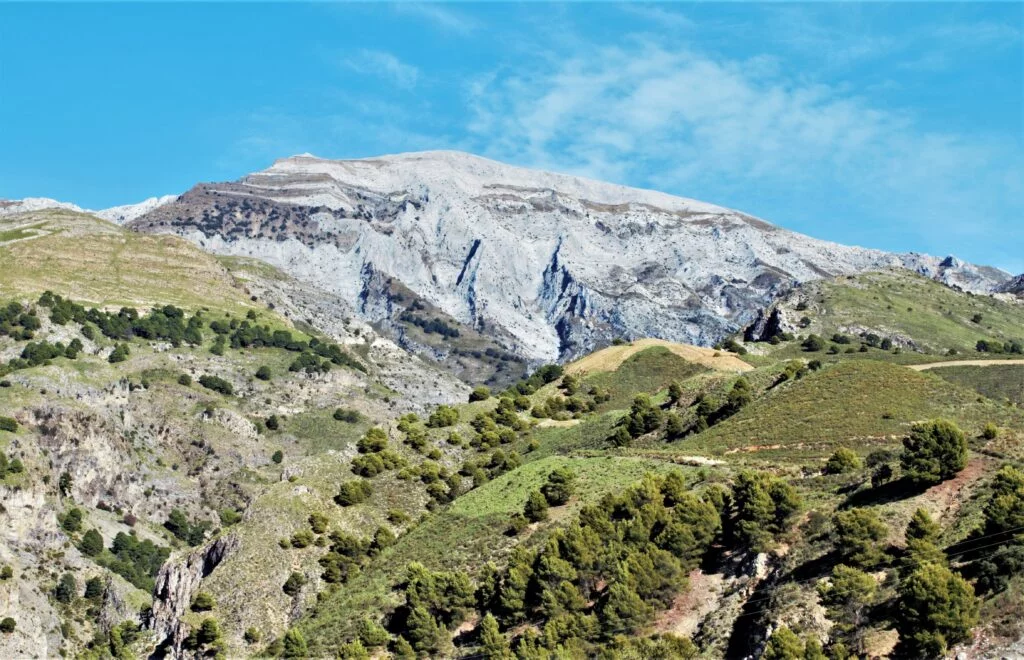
{"x":690,"y":608}
{"x":564,"y":423}
{"x":611,"y":358}
{"x":946,"y":498}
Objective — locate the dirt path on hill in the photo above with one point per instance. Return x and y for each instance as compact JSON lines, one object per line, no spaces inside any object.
{"x":962,"y":363}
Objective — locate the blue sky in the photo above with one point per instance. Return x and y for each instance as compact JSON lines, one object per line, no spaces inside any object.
{"x":897,"y":126}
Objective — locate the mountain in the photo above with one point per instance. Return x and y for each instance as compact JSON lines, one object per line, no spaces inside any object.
{"x":546,"y":264}
{"x":116,"y":214}
{"x":129,"y":212}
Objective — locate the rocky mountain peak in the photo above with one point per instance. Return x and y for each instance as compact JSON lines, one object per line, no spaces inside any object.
{"x":554,"y":263}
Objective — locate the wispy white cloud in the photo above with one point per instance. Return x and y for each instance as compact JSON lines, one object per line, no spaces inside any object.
{"x":659,"y":15}
{"x":383,"y":65}
{"x":681,"y":120}
{"x":441,"y":16}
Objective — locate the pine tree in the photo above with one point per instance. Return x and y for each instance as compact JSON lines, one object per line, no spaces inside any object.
{"x":623,"y":611}
{"x":403,"y":649}
{"x":860,"y":536}
{"x":294,"y":645}
{"x":937,"y":608}
{"x":91,"y":544}
{"x":422,"y":631}
{"x":493,"y":644}
{"x":783,"y":645}
{"x":933,"y":452}
{"x":536,"y":508}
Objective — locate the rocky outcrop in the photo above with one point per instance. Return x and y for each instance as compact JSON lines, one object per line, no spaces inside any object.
{"x":1013,"y":286}
{"x":176,"y":584}
{"x":557,"y":263}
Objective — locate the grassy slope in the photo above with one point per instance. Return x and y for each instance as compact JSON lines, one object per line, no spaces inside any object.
{"x":936,"y":317}
{"x":861,"y":404}
{"x":997,"y":382}
{"x":96,"y":262}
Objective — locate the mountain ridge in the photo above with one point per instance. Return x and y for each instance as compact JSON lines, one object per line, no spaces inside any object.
{"x":555,"y":264}
{"x":559,"y":263}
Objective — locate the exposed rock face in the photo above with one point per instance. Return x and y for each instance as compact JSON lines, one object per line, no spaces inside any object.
{"x":1014,"y":286}
{"x":557,"y":263}
{"x":176,"y":585}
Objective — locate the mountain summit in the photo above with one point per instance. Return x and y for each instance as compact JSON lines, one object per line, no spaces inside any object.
{"x":552,"y":264}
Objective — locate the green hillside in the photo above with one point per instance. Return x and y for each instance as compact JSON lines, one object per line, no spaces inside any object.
{"x":920,"y":316}
{"x":861,"y":404}
{"x":997,"y":382}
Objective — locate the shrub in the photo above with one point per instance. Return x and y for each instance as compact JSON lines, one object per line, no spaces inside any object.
{"x":119,"y":354}
{"x":516,"y":524}
{"x":480,"y":393}
{"x":536,"y":508}
{"x":990,"y":432}
{"x":66,"y":589}
{"x":263,"y":373}
{"x":347,"y":415}
{"x":371,"y":633}
{"x":217,"y":384}
{"x":91,"y":544}
{"x":72,"y":521}
{"x":8,"y":625}
{"x":277,"y":456}
{"x":374,"y":440}
{"x":559,"y":487}
{"x":933,"y":452}
{"x":353,"y":492}
{"x":293,"y":585}
{"x":443,"y":416}
{"x":318,"y":522}
{"x":203,"y":602}
{"x":6,"y":573}
{"x":302,"y":539}
{"x":842,"y":461}
{"x":8,"y":424}
{"x":814,"y":344}
{"x":94,"y":588}
{"x":185,"y":379}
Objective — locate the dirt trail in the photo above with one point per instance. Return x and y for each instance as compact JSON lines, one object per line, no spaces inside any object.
{"x":609,"y":359}
{"x":962,"y":363}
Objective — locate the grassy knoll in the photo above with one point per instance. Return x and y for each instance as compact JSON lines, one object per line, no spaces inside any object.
{"x":649,"y":370}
